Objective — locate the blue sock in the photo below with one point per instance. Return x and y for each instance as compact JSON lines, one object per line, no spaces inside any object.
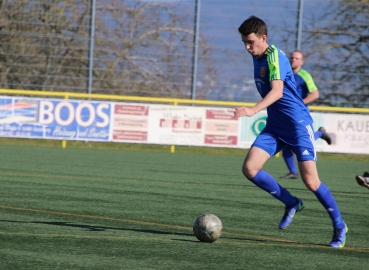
{"x":289,"y":158}
{"x":266,"y":182}
{"x":326,"y":198}
{"x":317,"y":135}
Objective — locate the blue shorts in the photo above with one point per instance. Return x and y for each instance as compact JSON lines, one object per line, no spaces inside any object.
{"x":301,"y":142}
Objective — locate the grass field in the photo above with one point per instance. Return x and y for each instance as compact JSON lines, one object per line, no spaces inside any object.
{"x":115,"y":208}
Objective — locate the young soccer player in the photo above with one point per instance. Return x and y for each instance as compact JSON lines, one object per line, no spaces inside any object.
{"x":308,"y":91}
{"x":289,"y":123}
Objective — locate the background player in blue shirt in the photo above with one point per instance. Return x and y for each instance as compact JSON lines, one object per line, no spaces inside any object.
{"x":308,"y":91}
{"x":289,"y":123}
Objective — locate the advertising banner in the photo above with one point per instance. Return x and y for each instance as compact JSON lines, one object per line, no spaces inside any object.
{"x":221,"y":128}
{"x":18,"y":118}
{"x":54,"y":119}
{"x":162,"y":124}
{"x":349,"y":132}
{"x":250,"y":128}
{"x":177,"y":125}
{"x":130,"y":122}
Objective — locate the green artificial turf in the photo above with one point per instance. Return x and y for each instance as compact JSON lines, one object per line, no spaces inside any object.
{"x":115,"y":208}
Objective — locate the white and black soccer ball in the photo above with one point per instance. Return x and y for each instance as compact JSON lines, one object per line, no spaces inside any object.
{"x":207,"y":228}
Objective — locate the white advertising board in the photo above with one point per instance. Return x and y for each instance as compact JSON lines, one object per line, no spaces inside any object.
{"x":161,"y":124}
{"x":349,"y":132}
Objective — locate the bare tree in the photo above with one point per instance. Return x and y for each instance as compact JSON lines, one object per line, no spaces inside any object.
{"x":43,"y":44}
{"x":339,"y":44}
{"x":146,"y":49}
{"x":141,"y":48}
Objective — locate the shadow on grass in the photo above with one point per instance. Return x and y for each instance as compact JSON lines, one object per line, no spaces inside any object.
{"x":193,"y":239}
{"x":95,"y":228}
{"x":223,"y":238}
{"x":259,"y":242}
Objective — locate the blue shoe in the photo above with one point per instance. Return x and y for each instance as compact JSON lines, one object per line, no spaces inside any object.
{"x":339,"y":237}
{"x":289,"y":214}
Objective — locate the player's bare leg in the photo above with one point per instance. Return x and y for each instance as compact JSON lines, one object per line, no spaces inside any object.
{"x":309,"y":174}
{"x":254,"y":162}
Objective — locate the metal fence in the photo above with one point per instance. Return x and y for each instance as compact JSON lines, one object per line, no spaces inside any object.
{"x":179,"y":49}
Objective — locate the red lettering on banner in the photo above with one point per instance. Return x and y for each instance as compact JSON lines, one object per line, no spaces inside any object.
{"x":220,"y":114}
{"x":180,"y":124}
{"x":131,"y":109}
{"x":221,"y":139}
{"x":128,"y":135}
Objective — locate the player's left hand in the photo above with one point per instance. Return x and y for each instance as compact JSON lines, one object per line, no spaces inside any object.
{"x":243,"y":111}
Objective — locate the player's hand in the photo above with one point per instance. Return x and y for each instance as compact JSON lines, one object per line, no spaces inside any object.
{"x":243,"y":111}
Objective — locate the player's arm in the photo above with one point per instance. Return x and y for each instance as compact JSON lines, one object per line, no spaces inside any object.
{"x":276,"y":74}
{"x":311,"y":97}
{"x":274,"y":94}
{"x":313,"y":92}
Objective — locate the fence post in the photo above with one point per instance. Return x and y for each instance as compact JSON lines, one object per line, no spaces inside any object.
{"x":92,"y":38}
{"x":299,"y":24}
{"x":173,"y":147}
{"x":195,"y":47}
{"x":64,"y":142}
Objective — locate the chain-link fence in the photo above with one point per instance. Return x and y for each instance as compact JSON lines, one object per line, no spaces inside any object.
{"x":156,"y":48}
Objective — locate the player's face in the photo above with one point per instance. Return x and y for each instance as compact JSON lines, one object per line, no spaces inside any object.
{"x":255,"y":45}
{"x":296,"y":60}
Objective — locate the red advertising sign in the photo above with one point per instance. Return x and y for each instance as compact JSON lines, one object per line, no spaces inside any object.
{"x":221,"y":139}
{"x":129,"y":135}
{"x":221,"y":114}
{"x":131,"y":109}
{"x":130,"y":122}
{"x":221,"y":127}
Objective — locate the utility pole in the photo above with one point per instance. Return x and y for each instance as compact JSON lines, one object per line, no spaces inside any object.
{"x":92,"y":37}
{"x":195,"y":48}
{"x":299,"y":24}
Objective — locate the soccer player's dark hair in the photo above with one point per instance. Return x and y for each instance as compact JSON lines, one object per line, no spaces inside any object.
{"x":253,"y":25}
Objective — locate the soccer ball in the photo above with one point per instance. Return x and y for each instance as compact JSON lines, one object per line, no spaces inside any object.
{"x":207,"y":228}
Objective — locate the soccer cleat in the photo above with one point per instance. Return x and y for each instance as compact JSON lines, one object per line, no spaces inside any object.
{"x":325,"y":135}
{"x":366,"y":174}
{"x":290,"y":176}
{"x":339,"y":237}
{"x":362,"y":181}
{"x":289,"y":214}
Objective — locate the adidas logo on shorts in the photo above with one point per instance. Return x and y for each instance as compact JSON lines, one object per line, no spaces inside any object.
{"x":305,"y":153}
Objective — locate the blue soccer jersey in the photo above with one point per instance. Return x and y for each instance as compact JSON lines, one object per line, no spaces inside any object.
{"x":289,"y":111}
{"x":304,"y":83}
